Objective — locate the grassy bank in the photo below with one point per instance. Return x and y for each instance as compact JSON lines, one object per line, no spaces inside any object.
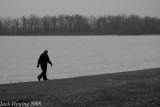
{"x":127,"y":89}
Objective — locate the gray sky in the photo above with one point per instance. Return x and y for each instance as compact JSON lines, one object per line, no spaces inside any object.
{"x":19,"y":8}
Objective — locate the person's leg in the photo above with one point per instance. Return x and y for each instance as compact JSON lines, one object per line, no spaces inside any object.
{"x":41,"y":75}
{"x":44,"y":68}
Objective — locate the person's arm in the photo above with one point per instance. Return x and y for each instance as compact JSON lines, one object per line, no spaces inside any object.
{"x":39,"y":61}
{"x":49,"y":61}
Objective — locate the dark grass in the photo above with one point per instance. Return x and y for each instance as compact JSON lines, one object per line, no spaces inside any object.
{"x":126,"y":89}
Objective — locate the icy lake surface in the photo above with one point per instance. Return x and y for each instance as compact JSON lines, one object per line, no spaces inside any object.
{"x":76,"y":55}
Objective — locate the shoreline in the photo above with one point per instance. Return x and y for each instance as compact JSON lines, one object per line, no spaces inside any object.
{"x":76,"y":35}
{"x":89,"y":75}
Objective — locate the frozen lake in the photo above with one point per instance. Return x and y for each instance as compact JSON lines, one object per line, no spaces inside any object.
{"x":76,"y":56}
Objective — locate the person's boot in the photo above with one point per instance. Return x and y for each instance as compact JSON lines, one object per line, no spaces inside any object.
{"x":45,"y":79}
{"x":39,"y":79}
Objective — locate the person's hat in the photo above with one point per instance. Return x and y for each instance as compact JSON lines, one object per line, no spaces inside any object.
{"x":46,"y":50}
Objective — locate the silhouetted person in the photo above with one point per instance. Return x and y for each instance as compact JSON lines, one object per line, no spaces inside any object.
{"x":42,"y":61}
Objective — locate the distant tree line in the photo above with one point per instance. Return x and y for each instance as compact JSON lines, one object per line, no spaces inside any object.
{"x":79,"y":25}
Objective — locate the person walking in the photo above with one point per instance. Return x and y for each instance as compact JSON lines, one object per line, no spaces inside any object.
{"x":43,"y":61}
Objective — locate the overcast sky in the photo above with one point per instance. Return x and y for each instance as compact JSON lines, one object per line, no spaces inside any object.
{"x":19,"y":8}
